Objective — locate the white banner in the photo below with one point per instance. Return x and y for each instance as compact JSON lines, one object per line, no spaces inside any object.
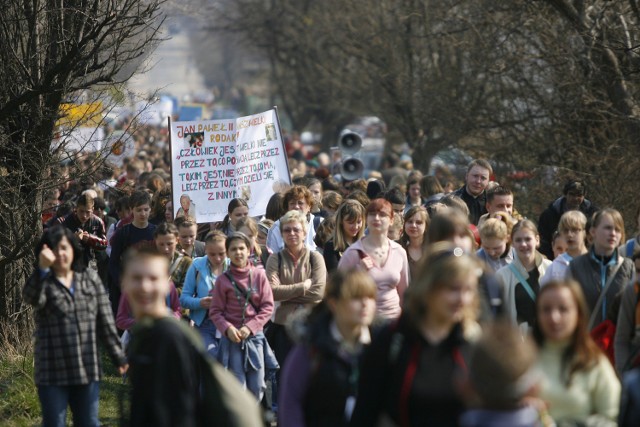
{"x":215,"y":161}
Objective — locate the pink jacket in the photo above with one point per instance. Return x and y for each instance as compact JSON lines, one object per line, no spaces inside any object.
{"x":391,"y":279}
{"x":227,"y":304}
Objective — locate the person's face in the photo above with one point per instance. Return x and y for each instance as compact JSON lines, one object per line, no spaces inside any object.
{"x":574,"y":200}
{"x":378,"y":222}
{"x":237,"y":214}
{"x":398,"y":209}
{"x":293,"y":234}
{"x":238,"y":253}
{"x":99,"y":212}
{"x":414,"y":191}
{"x":353,"y":312}
{"x":450,"y":303}
{"x":216,"y":252}
{"x":352,"y":226}
{"x":316,"y":192}
{"x":166,"y":244}
{"x":262,"y":238}
{"x":185,"y":202}
{"x":168,"y":212}
{"x":477,"y":180}
{"x":606,"y":236}
{"x":64,"y":255}
{"x":557,"y":314}
{"x":247,"y":232}
{"x":141,"y":214}
{"x":146,"y":285}
{"x":525,"y":242}
{"x":415,"y":226}
{"x":187,"y":236}
{"x":494,"y":247}
{"x":501,"y":204}
{"x":559,"y":246}
{"x":395,"y":232}
{"x":83,"y":213}
{"x":299,"y":205}
{"x":574,"y":238}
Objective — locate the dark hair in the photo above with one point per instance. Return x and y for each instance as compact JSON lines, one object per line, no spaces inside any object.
{"x":233,"y":204}
{"x":99,"y":203}
{"x":330,"y":184}
{"x":482,"y":163}
{"x":52,"y":238}
{"x":164,"y":229}
{"x":237,"y":236}
{"x":574,"y":184}
{"x":159,"y":202}
{"x":395,"y":196}
{"x":85,"y":200}
{"x":274,"y":207}
{"x":582,"y":352}
{"x":122,"y":203}
{"x":498,"y":191}
{"x":139,"y":198}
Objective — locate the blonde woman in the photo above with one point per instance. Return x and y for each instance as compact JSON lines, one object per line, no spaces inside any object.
{"x":349,"y":228}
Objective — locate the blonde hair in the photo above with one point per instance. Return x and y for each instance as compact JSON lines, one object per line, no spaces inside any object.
{"x":524,"y":224}
{"x":348,"y":284}
{"x":571,"y":220}
{"x":442,"y":265}
{"x":294,"y":216}
{"x":494,"y":229}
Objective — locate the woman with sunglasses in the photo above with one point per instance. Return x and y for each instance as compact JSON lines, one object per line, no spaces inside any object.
{"x":297,"y":276}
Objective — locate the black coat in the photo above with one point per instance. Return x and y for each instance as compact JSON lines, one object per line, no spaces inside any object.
{"x":550,"y":218}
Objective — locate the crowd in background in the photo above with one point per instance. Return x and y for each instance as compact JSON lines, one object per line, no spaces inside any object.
{"x":399,"y":298}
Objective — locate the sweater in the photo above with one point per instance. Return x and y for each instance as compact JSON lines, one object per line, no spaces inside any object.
{"x":287,"y":277}
{"x":392,"y":278}
{"x":593,"y":393}
{"x":228,"y":307}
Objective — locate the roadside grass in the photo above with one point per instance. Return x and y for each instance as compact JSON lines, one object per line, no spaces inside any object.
{"x":19,"y":404}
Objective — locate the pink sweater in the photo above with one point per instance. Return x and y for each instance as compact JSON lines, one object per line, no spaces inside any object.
{"x":391,"y":279}
{"x":226,"y":308}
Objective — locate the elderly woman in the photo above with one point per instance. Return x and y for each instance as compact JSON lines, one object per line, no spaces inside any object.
{"x":72,"y":313}
{"x":385,"y":260}
{"x":297,"y":276}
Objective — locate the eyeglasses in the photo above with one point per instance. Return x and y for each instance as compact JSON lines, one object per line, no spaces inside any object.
{"x":288,"y":230}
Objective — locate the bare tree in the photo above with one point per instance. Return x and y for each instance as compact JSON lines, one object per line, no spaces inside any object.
{"x":52,"y":51}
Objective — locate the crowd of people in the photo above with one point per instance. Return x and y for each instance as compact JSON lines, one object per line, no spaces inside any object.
{"x":359,"y":303}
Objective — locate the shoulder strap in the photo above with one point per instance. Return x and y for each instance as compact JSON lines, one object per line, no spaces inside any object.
{"x":602,"y":297}
{"x":523,"y":281}
{"x":241,"y":291}
{"x":175,"y":264}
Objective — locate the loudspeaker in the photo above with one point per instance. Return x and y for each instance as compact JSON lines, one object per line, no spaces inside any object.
{"x":352,"y":169}
{"x":349,"y":142}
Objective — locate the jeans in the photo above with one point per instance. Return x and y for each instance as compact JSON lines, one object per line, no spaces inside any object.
{"x":208,"y":333}
{"x":83,"y":400}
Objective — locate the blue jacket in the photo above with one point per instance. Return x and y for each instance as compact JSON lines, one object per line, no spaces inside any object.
{"x":198,"y":282}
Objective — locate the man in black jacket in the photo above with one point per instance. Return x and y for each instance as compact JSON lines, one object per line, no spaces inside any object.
{"x":574,"y":193}
{"x":473,"y":191}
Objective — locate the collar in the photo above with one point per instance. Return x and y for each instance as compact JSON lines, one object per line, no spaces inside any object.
{"x":363,"y":339}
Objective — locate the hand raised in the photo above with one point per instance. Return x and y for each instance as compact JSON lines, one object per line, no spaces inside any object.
{"x":46,"y":258}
